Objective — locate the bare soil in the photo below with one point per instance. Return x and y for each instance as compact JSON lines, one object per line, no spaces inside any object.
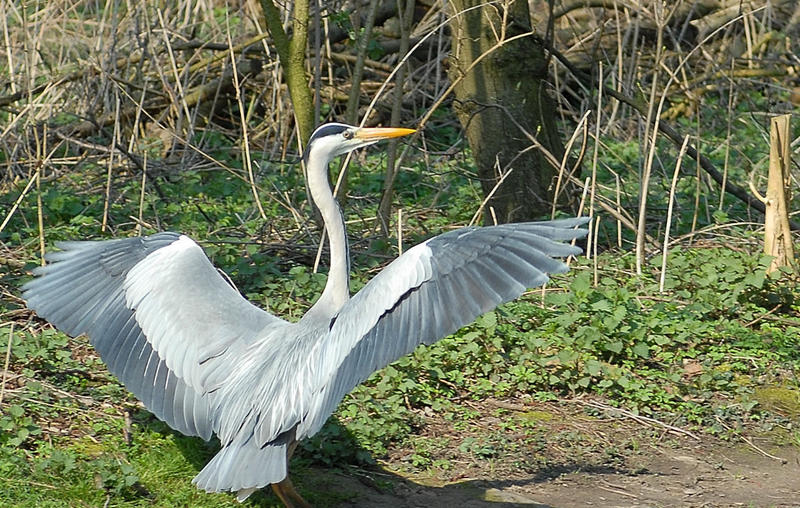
{"x":596,"y":465}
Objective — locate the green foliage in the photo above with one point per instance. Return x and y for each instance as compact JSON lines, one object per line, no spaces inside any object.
{"x":377,"y":416}
{"x":291,"y":296}
{"x":335,"y":445}
{"x":620,"y":339}
{"x":17,"y":427}
{"x":115,"y":476}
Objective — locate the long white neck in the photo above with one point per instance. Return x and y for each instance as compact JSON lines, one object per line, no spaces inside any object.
{"x":337,"y":288}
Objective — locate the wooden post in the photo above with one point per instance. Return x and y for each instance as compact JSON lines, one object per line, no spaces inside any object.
{"x":777,"y":234}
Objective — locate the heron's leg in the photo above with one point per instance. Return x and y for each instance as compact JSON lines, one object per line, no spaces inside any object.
{"x":285,"y":489}
{"x":290,"y":498}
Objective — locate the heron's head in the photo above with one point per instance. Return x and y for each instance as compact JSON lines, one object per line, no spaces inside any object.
{"x":332,"y":139}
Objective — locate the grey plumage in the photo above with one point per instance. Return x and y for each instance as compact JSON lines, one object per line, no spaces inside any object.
{"x":81,"y":291}
{"x":206,"y":361}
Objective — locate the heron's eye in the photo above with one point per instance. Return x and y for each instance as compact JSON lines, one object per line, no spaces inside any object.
{"x":348,"y":134}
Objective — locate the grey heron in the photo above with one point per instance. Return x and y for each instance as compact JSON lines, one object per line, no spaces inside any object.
{"x":207,"y":362}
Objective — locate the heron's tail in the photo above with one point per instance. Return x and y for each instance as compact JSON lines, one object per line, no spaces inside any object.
{"x":244,"y":468}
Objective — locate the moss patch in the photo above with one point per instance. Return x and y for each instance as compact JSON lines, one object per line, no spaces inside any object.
{"x":778,"y":399}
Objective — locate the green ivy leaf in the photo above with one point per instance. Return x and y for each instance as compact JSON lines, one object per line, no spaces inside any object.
{"x":642,"y":349}
{"x":593,"y":367}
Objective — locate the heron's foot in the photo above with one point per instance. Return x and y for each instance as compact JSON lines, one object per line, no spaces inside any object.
{"x":285,"y":491}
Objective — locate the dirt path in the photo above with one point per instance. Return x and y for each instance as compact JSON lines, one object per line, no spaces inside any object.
{"x":688,"y":476}
{"x":569,"y":459}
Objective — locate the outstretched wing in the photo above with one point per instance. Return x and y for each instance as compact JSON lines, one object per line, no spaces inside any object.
{"x":157,"y":311}
{"x":430,"y":292}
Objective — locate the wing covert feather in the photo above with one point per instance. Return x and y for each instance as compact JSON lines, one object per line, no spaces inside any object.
{"x":189,"y":313}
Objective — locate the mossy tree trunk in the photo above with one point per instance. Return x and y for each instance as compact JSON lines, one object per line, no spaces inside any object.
{"x":498,"y":99}
{"x":292,"y":53}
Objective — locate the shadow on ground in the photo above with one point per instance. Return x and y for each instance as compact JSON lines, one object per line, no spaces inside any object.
{"x":707,"y":475}
{"x":665,"y":473}
{"x":378,"y":487}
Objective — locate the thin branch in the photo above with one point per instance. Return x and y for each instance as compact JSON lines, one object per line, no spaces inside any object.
{"x":668,"y":131}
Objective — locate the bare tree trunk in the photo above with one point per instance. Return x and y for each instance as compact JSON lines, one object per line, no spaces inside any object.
{"x":501,"y":100}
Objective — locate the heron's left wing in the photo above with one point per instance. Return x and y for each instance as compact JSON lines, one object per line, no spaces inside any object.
{"x":431,"y":291}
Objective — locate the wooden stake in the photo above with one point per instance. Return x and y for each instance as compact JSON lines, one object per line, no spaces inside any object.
{"x":777,"y":235}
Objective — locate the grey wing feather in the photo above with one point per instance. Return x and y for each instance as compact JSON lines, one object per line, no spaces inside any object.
{"x":430,"y":292}
{"x":81,"y":292}
{"x":87,"y":288}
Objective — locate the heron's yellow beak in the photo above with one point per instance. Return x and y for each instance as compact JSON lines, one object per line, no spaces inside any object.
{"x":378,"y":133}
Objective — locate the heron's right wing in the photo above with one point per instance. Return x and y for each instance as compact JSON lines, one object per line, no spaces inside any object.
{"x":431,"y":291}
{"x":157,"y":311}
